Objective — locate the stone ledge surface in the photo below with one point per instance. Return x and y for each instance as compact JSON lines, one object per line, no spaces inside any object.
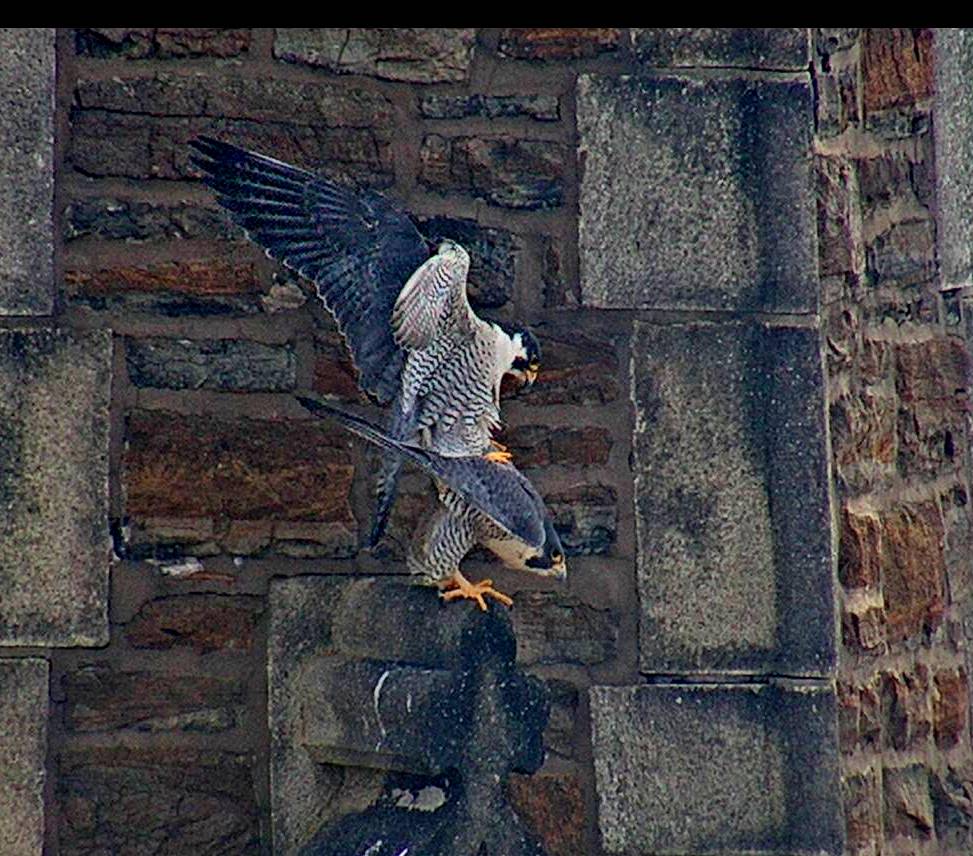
{"x":716,"y":769}
{"x":371,"y":677}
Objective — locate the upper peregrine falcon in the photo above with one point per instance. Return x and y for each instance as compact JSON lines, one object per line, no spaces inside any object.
{"x":404,"y":313}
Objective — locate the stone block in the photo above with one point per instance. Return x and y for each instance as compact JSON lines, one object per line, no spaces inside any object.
{"x":559,"y":628}
{"x":27,"y":157}
{"x":950,"y":708}
{"x":139,"y":799}
{"x":106,"y":143}
{"x":931,"y":380}
{"x":264,"y":99}
{"x":335,"y":375}
{"x":863,"y":812}
{"x":542,"y":108}
{"x":585,"y":517}
{"x":839,"y":242}
{"x":953,"y":134}
{"x":545,"y":446}
{"x":161,"y":42}
{"x":778,"y":48}
{"x":577,"y":367}
{"x":905,"y":711}
{"x":953,"y":807}
{"x":717,"y":769}
{"x":54,"y":542}
{"x":411,"y":54}
{"x":127,"y":219}
{"x":897,"y":66}
{"x":99,"y":698}
{"x":722,"y":214}
{"x":908,"y":803}
{"x":23,"y":754}
{"x":732,"y":508}
{"x":507,"y":172}
{"x":201,"y":622}
{"x":203,"y":287}
{"x":552,"y":805}
{"x":225,"y":364}
{"x":913,"y":570}
{"x":219,"y":474}
{"x":554,"y":43}
{"x":380,"y":674}
{"x":904,"y":254}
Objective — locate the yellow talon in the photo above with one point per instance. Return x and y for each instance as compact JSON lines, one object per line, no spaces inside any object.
{"x":457,"y":586}
{"x":499,"y":457}
{"x":498,"y":445}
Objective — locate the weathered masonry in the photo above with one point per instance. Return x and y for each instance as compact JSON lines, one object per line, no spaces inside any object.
{"x":747,"y":255}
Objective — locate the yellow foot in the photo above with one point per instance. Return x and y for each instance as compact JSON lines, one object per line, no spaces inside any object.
{"x":498,"y":445}
{"x":457,"y":586}
{"x":499,"y":457}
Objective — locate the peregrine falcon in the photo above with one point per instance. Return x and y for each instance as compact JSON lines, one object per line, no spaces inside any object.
{"x":403,"y":312}
{"x":483,"y":501}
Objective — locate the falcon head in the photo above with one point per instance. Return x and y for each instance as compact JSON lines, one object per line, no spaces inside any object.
{"x":525,"y":355}
{"x":550,"y":562}
{"x":547,"y":560}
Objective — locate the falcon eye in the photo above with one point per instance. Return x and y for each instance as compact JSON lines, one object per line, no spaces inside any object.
{"x":519,"y":363}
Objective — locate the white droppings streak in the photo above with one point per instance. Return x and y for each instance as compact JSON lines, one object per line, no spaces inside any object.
{"x":376,"y":697}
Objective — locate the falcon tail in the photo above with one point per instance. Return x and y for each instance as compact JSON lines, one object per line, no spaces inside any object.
{"x":366,"y":429}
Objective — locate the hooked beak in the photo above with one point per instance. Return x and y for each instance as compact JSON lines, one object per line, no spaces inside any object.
{"x":531,"y":377}
{"x":560,"y":569}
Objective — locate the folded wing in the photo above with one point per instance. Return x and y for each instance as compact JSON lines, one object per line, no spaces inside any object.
{"x":497,"y":490}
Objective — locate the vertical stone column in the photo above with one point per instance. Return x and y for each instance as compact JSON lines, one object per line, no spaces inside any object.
{"x":27,"y":157}
{"x":954,"y":154}
{"x":697,"y":213}
{"x":54,"y":389}
{"x":23,"y":747}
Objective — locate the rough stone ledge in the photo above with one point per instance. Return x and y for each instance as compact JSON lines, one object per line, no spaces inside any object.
{"x":379,"y":674}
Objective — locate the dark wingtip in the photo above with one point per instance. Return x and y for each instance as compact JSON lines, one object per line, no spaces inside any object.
{"x":378,"y":527}
{"x":370,"y":542}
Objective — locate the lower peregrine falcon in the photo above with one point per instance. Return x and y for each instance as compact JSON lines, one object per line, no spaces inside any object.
{"x":482,"y":501}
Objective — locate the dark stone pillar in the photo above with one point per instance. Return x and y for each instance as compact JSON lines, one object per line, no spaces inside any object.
{"x":378,"y":674}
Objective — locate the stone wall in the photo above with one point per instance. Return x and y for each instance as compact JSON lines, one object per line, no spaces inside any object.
{"x":898,"y":363}
{"x":750,"y":284}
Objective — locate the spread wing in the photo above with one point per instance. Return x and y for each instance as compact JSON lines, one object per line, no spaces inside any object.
{"x":497,"y":490}
{"x":353,"y":245}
